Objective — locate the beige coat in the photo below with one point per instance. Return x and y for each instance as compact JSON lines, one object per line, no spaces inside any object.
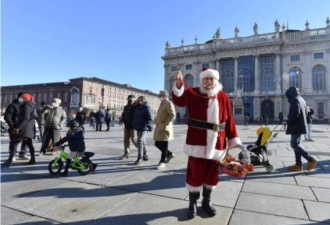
{"x":163,"y":121}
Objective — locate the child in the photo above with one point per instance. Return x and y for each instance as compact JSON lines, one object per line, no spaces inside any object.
{"x":75,"y":138}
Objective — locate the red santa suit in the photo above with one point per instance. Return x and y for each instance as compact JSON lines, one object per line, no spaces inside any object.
{"x":206,"y":147}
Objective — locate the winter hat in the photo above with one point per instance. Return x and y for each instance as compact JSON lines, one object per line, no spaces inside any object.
{"x":206,"y":72}
{"x":57,"y":100}
{"x":27,"y":97}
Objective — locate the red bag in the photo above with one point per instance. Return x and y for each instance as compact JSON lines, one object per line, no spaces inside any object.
{"x":236,"y":168}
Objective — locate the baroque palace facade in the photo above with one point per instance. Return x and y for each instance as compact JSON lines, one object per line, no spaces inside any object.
{"x":259,"y":68}
{"x":89,"y":93}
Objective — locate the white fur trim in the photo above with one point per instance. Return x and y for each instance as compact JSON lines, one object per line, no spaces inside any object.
{"x":210,"y":187}
{"x":199,"y":151}
{"x":218,"y":87}
{"x":209,"y":73}
{"x":234,"y":141}
{"x":212,"y":136}
{"x":176,"y":91}
{"x":193,"y":189}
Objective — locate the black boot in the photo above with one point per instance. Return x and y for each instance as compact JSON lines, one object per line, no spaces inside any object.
{"x":206,"y":203}
{"x":192,"y":210}
{"x":32,"y":159}
{"x":66,"y":170}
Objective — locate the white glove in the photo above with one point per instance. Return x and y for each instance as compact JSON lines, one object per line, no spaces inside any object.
{"x":245,"y":153}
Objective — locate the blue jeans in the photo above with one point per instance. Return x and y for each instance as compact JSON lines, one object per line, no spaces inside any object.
{"x":298,"y":150}
{"x":141,"y":143}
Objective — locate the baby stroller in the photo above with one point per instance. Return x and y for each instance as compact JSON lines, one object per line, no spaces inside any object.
{"x":4,"y":128}
{"x":258,"y":151}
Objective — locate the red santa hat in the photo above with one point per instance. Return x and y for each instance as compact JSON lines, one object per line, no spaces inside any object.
{"x":206,"y":72}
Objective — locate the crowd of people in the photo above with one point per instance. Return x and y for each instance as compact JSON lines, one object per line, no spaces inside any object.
{"x":211,"y":130}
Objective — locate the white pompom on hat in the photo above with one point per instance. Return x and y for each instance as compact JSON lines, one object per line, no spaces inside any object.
{"x":57,"y":100}
{"x":206,"y":72}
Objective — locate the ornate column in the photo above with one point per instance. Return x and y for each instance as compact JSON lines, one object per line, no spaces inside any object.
{"x":306,"y":76}
{"x":167,"y":78}
{"x":278,"y":73}
{"x":197,"y":71}
{"x":217,"y":64}
{"x":256,"y":75}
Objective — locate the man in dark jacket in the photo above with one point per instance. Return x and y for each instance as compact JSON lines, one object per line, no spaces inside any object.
{"x":141,"y":123}
{"x":107,"y":119}
{"x":81,"y":117}
{"x":127,"y":118}
{"x":296,"y":126}
{"x":11,"y":117}
{"x":98,"y":117}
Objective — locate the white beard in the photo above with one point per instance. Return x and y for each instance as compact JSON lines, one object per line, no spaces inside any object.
{"x":212,"y":92}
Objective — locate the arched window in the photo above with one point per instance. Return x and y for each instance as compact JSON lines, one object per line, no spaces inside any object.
{"x":318,"y":78}
{"x":295,"y":77}
{"x":267,"y":74}
{"x":189,"y":79}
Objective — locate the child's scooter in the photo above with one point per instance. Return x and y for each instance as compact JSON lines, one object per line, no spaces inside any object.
{"x":83,"y":165}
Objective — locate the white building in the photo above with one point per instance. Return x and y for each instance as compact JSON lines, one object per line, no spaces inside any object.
{"x":261,"y":67}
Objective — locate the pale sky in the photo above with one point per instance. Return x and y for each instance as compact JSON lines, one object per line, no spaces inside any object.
{"x":123,"y":41}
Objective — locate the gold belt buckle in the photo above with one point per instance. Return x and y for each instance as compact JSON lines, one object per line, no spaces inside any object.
{"x":215,"y":127}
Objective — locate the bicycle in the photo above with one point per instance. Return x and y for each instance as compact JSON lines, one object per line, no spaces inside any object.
{"x":84,"y":165}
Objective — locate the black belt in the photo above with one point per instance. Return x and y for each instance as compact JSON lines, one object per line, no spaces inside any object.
{"x":206,"y":125}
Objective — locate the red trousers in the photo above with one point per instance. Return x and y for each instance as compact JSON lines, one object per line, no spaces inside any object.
{"x":202,"y":172}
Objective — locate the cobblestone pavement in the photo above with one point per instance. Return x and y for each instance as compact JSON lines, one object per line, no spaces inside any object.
{"x":119,"y":192}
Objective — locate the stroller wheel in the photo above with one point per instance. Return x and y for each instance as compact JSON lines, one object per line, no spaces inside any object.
{"x":269,"y":168}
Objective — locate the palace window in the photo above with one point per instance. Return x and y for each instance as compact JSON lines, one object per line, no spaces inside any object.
{"x":246,"y":73}
{"x":295,"y":58}
{"x":318,"y":74}
{"x":318,"y":55}
{"x":227,"y":78}
{"x":295,"y":77}
{"x":189,"y":79}
{"x":205,"y":65}
{"x":174,"y":68}
{"x":189,"y":67}
{"x":267,"y":74}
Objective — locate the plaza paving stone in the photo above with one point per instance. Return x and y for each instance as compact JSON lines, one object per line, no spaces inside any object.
{"x":120,"y":192}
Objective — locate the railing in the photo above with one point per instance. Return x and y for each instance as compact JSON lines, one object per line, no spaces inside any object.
{"x":241,"y":41}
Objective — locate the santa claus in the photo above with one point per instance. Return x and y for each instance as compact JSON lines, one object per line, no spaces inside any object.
{"x":211,"y":128}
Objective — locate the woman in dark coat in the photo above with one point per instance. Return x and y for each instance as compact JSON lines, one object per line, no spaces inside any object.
{"x":26,"y":124}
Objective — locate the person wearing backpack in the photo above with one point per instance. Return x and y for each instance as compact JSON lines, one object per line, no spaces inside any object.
{"x":11,"y":117}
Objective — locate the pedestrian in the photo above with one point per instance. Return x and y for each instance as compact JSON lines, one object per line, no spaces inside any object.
{"x":164,"y":129}
{"x":266,"y":120}
{"x":98,"y":118}
{"x":81,"y":118}
{"x":11,"y":117}
{"x":141,"y":123}
{"x":26,"y":124}
{"x":309,"y":119}
{"x":55,"y":116}
{"x":107,"y":119}
{"x":75,"y":138}
{"x":92,"y":119}
{"x":211,"y":130}
{"x":296,"y":126}
{"x":41,"y":119}
{"x":246,"y":120}
{"x":127,"y":118}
